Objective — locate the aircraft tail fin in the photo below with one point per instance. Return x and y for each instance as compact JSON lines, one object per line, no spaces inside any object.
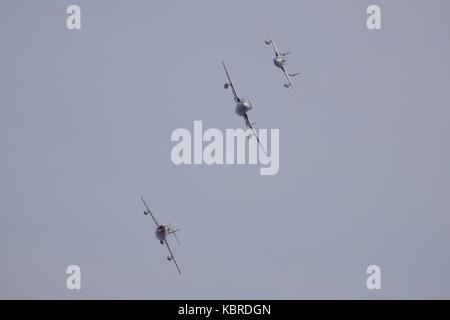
{"x":172,"y":231}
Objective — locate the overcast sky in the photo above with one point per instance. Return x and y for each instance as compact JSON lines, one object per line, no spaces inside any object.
{"x":85,"y":123}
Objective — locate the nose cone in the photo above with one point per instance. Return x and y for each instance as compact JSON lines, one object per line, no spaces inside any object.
{"x":247,"y":104}
{"x":243,"y":106}
{"x":279,"y":61}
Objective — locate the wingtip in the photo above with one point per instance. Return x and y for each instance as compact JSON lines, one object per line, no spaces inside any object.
{"x":268,"y":29}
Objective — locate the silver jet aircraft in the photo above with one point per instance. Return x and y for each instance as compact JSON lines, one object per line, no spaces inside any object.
{"x":280,"y":61}
{"x":161,"y":233}
{"x":243,"y":105}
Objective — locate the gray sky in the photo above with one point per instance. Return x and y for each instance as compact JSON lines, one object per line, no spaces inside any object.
{"x":85,"y":124}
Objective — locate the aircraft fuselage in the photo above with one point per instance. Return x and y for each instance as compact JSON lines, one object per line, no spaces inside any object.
{"x":243,"y":106}
{"x":279,"y":61}
{"x":161,"y":233}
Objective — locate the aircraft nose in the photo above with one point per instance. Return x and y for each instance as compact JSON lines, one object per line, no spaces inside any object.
{"x":279,"y":61}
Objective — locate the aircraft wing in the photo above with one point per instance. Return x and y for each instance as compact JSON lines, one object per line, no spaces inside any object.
{"x":274,"y":46}
{"x":173,"y":258}
{"x":290,"y":81}
{"x":236,"y":98}
{"x":249,"y":125}
{"x":148,"y":210}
